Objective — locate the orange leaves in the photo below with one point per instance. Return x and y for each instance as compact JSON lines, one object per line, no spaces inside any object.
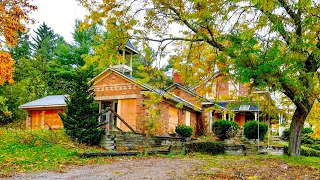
{"x":6,"y":68}
{"x":14,"y":15}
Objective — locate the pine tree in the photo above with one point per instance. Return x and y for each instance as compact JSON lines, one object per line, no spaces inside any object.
{"x":44,"y":42}
{"x":81,"y":116}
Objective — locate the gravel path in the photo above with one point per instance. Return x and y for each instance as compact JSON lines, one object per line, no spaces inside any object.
{"x":125,"y":168}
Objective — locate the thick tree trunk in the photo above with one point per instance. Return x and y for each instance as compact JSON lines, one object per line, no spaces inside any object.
{"x":296,"y":127}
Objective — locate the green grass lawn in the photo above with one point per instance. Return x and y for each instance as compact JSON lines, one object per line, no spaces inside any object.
{"x":26,"y":150}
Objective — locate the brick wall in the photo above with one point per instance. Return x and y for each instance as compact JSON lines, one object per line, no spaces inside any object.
{"x":113,"y":85}
{"x":184,"y":95}
{"x":222,"y":86}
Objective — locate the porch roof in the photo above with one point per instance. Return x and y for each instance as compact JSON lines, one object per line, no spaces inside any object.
{"x":252,"y":107}
{"x":48,"y":101}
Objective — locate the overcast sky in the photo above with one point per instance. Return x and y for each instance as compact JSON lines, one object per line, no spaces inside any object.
{"x":60,"y":15}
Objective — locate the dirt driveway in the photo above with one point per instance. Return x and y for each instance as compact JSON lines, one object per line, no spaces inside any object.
{"x":125,"y":168}
{"x":162,"y":168}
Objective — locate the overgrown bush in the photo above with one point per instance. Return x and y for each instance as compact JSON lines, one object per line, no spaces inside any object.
{"x":207,"y":147}
{"x":251,"y":130}
{"x":225,"y":129}
{"x":184,"y":131}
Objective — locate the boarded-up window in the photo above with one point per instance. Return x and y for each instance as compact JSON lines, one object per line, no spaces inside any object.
{"x":173,"y":119}
{"x":188,"y":120}
{"x":36,"y":119}
{"x":127,"y":109}
{"x":53,"y":119}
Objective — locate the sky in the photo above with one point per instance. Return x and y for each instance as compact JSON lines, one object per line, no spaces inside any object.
{"x":60,"y":15}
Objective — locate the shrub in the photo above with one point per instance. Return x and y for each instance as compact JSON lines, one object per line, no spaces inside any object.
{"x":307,"y":131}
{"x":305,"y":151}
{"x":184,"y":131}
{"x":286,"y":133}
{"x":207,"y":147}
{"x":306,"y":139}
{"x":315,"y":146}
{"x":251,"y":130}
{"x":225,"y":129}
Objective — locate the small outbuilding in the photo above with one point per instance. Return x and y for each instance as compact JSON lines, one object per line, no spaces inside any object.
{"x":43,"y":113}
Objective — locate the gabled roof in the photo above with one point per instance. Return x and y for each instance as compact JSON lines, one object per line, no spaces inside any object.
{"x":106,"y":72}
{"x":178,"y":85}
{"x":130,"y":47}
{"x":48,"y":101}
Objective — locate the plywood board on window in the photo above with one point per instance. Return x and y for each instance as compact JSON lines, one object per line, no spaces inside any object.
{"x":127,"y":109}
{"x":188,"y":118}
{"x":173,"y":118}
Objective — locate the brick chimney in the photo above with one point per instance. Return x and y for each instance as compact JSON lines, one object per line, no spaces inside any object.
{"x":177,"y":78}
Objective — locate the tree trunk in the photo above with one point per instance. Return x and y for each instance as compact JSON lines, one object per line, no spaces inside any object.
{"x":296,"y":127}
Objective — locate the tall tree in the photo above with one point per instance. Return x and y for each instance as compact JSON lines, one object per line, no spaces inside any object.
{"x":14,"y":16}
{"x":273,"y":44}
{"x":44,"y":42}
{"x":80,"y":119}
{"x":23,"y":48}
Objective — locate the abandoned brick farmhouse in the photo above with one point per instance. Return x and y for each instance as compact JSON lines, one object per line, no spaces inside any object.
{"x":117,"y":89}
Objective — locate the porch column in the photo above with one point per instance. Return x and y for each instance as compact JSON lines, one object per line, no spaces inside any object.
{"x":224,"y":115}
{"x":255,"y":116}
{"x":123,"y":54}
{"x":99,"y":118}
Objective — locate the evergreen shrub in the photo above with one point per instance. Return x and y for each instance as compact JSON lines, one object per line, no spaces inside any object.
{"x":184,"y":131}
{"x":225,"y":129}
{"x":251,"y":130}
